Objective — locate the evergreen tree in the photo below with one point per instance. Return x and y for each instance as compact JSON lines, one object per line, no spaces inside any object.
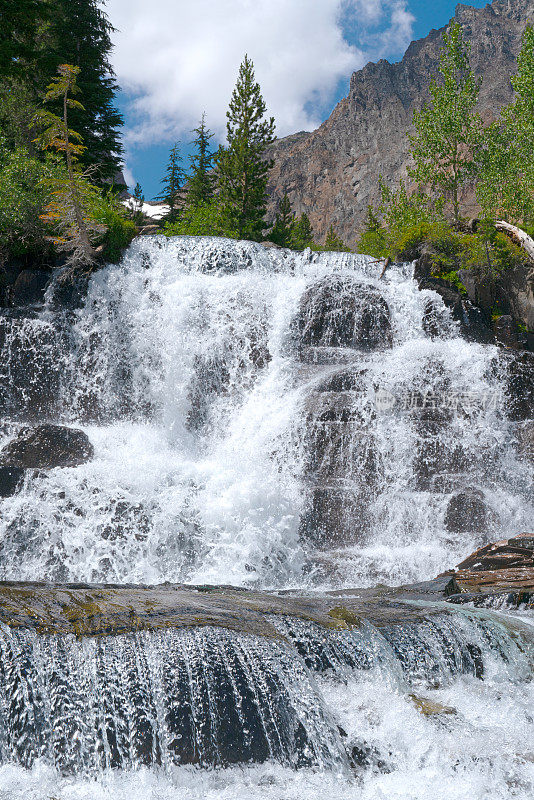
{"x":78,"y":33}
{"x":19,"y":22}
{"x":282,"y":229}
{"x":301,"y":233}
{"x":242,"y":166}
{"x":172,"y":183}
{"x":334,"y":243}
{"x":201,"y":183}
{"x":137,"y":204}
{"x":448,"y":133}
{"x":69,"y":210}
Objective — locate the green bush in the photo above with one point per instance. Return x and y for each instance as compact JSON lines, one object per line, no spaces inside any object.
{"x":204,"y":219}
{"x":22,"y":197}
{"x":107,"y":210}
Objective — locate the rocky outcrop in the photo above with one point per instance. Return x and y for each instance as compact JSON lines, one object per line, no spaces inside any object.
{"x":332,"y":173}
{"x":340,"y":312}
{"x":47,"y":446}
{"x":499,"y":572}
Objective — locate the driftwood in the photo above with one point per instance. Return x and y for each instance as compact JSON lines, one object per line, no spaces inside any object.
{"x":518,"y":236}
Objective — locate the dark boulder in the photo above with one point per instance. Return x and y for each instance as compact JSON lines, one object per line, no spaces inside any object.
{"x":68,"y":292}
{"x":47,"y":446}
{"x":519,"y":378}
{"x":507,"y":332}
{"x":338,"y":311}
{"x":10,"y":478}
{"x":33,"y":354}
{"x":29,"y":287}
{"x":467,"y":512}
{"x":474,"y":322}
{"x":525,"y":440}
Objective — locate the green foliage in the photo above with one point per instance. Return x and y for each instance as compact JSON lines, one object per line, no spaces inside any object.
{"x":137,"y":204}
{"x":449,"y":132}
{"x":68,"y":210}
{"x":36,"y":37}
{"x":204,"y":219}
{"x":334,"y":243}
{"x":301,"y":233}
{"x":281,"y":232}
{"x":108,"y":212}
{"x":172,"y":183}
{"x":201,"y":183}
{"x":22,"y":197}
{"x":401,"y":223}
{"x":505,"y":186}
{"x":19,"y":23}
{"x":17,"y":112}
{"x":78,"y":32}
{"x":242,"y":169}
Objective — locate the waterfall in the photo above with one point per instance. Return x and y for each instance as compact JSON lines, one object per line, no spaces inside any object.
{"x":260,"y":417}
{"x":267,"y":420}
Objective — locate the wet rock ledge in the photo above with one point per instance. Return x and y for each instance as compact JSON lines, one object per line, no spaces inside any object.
{"x":96,"y":610}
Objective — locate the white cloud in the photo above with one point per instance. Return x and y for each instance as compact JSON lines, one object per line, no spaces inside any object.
{"x":177,"y":59}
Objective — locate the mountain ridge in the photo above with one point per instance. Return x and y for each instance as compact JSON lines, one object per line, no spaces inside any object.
{"x":332,"y":173}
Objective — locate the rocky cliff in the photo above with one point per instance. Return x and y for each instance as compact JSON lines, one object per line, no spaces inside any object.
{"x":332,"y":173}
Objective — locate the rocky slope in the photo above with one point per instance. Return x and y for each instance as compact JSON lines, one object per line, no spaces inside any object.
{"x":332,"y":173}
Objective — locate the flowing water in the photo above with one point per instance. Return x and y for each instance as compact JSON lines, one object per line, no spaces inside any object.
{"x":269,"y":420}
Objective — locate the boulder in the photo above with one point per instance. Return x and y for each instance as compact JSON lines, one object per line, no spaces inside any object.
{"x":10,"y":478}
{"x":507,"y":332}
{"x":525,"y":440}
{"x":47,"y":446}
{"x":339,"y":311}
{"x":29,"y":287}
{"x":475,"y":323}
{"x":467,"y":512}
{"x":519,"y":377}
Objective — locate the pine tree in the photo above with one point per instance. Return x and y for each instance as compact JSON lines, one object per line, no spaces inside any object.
{"x":333,"y":242}
{"x":448,"y":133}
{"x":78,"y":33}
{"x":172,"y":183}
{"x":283,"y":225}
{"x":201,"y":183}
{"x":68,"y":211}
{"x":19,"y":21}
{"x":137,"y":204}
{"x":242,"y":166}
{"x":301,"y":233}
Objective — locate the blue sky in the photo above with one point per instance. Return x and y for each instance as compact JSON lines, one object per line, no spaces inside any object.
{"x":175,"y":60}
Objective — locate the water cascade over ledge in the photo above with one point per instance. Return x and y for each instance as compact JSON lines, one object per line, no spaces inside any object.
{"x":272,"y":421}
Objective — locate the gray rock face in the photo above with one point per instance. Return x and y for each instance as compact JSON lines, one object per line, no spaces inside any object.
{"x":46,"y":447}
{"x":332,"y":173}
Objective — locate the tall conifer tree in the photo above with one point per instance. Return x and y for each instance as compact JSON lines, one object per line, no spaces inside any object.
{"x":283,"y":224}
{"x":78,"y":33}
{"x":173,"y":183}
{"x":242,"y":166}
{"x":201,"y":184}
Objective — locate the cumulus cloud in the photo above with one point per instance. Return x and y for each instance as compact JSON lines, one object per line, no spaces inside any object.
{"x":178,"y":59}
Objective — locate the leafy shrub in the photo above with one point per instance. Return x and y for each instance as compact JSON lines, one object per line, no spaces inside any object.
{"x":106,"y":210}
{"x":22,"y":197}
{"x":204,"y":219}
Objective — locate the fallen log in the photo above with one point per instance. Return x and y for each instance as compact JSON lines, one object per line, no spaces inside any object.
{"x":518,"y":236}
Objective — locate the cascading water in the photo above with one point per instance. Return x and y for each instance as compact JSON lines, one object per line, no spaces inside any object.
{"x":253,"y":425}
{"x":276,"y":420}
